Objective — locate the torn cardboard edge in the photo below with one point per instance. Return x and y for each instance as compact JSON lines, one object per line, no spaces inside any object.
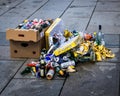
{"x":24,"y":35}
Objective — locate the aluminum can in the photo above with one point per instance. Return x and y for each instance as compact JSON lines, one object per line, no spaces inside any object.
{"x":67,"y":64}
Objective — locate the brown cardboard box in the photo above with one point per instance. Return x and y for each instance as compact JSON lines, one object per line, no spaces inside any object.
{"x":23,"y":49}
{"x":24,"y":35}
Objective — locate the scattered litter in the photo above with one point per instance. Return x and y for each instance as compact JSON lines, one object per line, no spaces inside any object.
{"x":64,"y":49}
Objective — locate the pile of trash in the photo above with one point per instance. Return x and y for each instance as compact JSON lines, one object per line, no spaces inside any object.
{"x":62,"y":58}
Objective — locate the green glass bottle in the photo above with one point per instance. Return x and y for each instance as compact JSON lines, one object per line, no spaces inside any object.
{"x":26,"y":70}
{"x":58,"y":69}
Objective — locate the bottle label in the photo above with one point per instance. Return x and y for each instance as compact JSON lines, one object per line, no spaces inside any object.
{"x":42,"y":72}
{"x":66,"y":64}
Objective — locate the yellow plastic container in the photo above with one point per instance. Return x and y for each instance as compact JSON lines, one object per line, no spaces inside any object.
{"x":64,"y":47}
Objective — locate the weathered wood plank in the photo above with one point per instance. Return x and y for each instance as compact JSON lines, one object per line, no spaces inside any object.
{"x":33,"y":87}
{"x":15,"y":16}
{"x":92,"y":80}
{"x":7,"y":71}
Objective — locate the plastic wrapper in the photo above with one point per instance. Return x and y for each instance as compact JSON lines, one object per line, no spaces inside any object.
{"x":57,"y":28}
{"x":66,"y":46}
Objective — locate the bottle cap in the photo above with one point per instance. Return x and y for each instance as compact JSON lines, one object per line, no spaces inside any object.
{"x":61,"y":72}
{"x":100,"y":27}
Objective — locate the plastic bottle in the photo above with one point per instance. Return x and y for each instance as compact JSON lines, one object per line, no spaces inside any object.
{"x":20,"y":26}
{"x":92,"y":55}
{"x":102,"y":41}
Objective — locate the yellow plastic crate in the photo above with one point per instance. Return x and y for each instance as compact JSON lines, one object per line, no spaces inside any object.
{"x":64,"y":47}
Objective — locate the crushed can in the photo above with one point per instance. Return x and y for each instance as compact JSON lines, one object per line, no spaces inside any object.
{"x":67,"y":64}
{"x":50,"y":74}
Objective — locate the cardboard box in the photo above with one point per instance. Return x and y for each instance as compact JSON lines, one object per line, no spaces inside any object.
{"x":23,"y":49}
{"x":24,"y":35}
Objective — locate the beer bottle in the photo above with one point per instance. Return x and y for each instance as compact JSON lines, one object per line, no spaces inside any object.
{"x":58,"y":69}
{"x":42,"y":69}
{"x":26,"y":70}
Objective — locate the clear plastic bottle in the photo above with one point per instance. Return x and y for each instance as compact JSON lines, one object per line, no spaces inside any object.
{"x":103,"y":41}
